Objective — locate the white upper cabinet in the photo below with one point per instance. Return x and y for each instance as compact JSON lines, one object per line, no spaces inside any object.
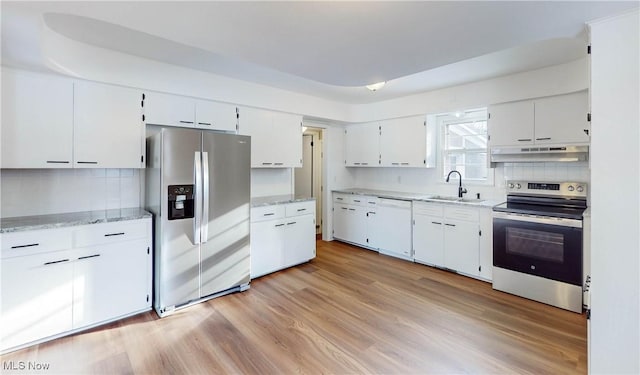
{"x":403,"y":142}
{"x":558,"y":120}
{"x":562,"y":119}
{"x":37,"y":120}
{"x":511,"y":124}
{"x":170,"y":110}
{"x":216,"y":116}
{"x":362,"y":145}
{"x":276,"y":138}
{"x":108,"y":127}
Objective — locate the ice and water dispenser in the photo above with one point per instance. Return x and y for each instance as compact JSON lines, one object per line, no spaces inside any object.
{"x":180,"y":202}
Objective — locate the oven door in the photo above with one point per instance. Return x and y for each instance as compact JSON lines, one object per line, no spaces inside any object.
{"x":546,"y":247}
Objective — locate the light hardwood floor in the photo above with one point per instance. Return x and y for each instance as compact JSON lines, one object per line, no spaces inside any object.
{"x":348,"y":311}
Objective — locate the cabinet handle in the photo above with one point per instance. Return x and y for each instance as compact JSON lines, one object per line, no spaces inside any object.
{"x":451,"y":225}
{"x":371,"y":202}
{"x":57,"y":162}
{"x":352,"y":209}
{"x":344,"y":208}
{"x":404,"y":163}
{"x":395,"y":163}
{"x":372,"y":213}
{"x":435,"y":222}
{"x":365,"y":163}
{"x":524,"y":140}
{"x":340,"y":199}
{"x":355,"y":200}
{"x":21,"y":246}
{"x":279,"y":225}
{"x":291,"y":223}
{"x":204,"y":123}
{"x":543,"y":139}
{"x":269,"y":214}
{"x":114,"y":234}
{"x":278,"y":163}
{"x":301,"y":209}
{"x":186,"y":122}
{"x":89,"y":256}
{"x":267,"y":163}
{"x":356,"y":163}
{"x":87,"y":162}
{"x":56,"y":261}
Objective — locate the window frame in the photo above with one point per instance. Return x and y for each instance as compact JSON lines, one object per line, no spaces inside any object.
{"x":453,"y":118}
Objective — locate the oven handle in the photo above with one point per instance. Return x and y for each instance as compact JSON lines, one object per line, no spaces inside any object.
{"x":537,"y":219}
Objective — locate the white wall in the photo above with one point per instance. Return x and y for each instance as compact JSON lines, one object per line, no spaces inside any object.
{"x":615,"y":195}
{"x":46,"y":191}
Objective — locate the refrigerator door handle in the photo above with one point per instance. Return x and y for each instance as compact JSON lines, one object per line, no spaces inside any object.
{"x":197,"y":172}
{"x":205,"y":194}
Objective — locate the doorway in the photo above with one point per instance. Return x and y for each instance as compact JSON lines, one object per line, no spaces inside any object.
{"x":308,"y":179}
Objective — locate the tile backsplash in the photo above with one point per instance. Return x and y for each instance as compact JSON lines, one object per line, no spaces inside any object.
{"x":46,"y":191}
{"x":574,"y":171}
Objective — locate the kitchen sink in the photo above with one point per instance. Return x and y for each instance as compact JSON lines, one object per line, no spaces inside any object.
{"x":455,"y":199}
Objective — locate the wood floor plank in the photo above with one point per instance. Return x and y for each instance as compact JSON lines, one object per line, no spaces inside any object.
{"x":349,"y":310}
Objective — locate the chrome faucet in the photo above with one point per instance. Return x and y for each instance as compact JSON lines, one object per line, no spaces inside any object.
{"x":461,"y":190}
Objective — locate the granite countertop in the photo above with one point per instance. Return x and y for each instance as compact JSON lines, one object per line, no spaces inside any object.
{"x":25,"y":223}
{"x":278,"y":199}
{"x":417,"y":197}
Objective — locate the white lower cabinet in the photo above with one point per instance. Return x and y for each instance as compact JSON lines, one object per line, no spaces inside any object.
{"x":48,"y":292}
{"x":282,"y":235}
{"x":356,"y":220}
{"x":447,"y":236}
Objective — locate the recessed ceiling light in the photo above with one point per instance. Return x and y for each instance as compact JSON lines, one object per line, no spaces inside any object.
{"x":376,"y":86}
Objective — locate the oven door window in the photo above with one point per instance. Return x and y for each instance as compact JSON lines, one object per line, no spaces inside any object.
{"x":550,"y":251}
{"x":546,"y":246}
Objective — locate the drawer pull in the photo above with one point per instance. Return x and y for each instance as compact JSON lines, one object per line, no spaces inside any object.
{"x":524,"y":140}
{"x":301,"y":209}
{"x":186,"y":122}
{"x":450,"y":225}
{"x":340,"y":199}
{"x":365,"y":163}
{"x":267,"y":163}
{"x":57,"y":162}
{"x":89,"y":256}
{"x":355,"y":200}
{"x":543,"y":139}
{"x":269,"y":214}
{"x":356,"y":163}
{"x":436,"y":222}
{"x":404,"y":163}
{"x":344,"y":208}
{"x":204,"y":123}
{"x":87,"y":162}
{"x":56,"y":261}
{"x":279,"y":225}
{"x":291,"y":223}
{"x":114,"y":234}
{"x":21,"y":246}
{"x":278,"y":163}
{"x":352,"y":209}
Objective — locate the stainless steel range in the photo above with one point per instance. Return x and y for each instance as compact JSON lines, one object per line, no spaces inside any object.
{"x":537,"y":242}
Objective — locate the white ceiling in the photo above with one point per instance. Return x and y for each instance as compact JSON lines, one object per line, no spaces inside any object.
{"x":326,"y":49}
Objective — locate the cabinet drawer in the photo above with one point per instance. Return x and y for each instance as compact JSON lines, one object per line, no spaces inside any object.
{"x":429,"y":209}
{"x":341,"y":198}
{"x":107,"y":233}
{"x":358,"y":200}
{"x":462,"y":213}
{"x":275,"y":211}
{"x":300,"y":208}
{"x":34,"y":242}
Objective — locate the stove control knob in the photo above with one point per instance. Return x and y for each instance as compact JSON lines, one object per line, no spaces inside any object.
{"x":510,"y":185}
{"x":518,"y":186}
{"x":570,"y":188}
{"x":580,"y":189}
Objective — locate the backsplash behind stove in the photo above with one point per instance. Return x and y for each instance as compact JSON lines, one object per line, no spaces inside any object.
{"x":574,"y":171}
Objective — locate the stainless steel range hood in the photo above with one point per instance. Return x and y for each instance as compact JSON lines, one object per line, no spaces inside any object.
{"x":531,"y":154}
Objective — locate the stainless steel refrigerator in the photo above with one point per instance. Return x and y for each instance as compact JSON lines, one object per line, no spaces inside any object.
{"x":198,"y":188}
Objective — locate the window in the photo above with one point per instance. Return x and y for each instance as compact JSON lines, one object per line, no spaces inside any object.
{"x":464,"y":144}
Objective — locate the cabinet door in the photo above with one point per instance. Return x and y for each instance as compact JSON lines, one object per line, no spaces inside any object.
{"x":403,"y":142}
{"x":267,"y":244}
{"x":216,"y":116}
{"x":285,"y":140}
{"x":110,"y":281}
{"x":374,"y":231}
{"x":350,"y":224}
{"x":37,"y":295}
{"x":300,"y":244}
{"x":562,"y":119}
{"x":428,"y":240}
{"x":258,"y":124}
{"x":170,"y":110}
{"x":511,"y":124}
{"x":108,"y":130}
{"x":362,"y":145}
{"x":37,"y":120}
{"x":462,"y":251}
